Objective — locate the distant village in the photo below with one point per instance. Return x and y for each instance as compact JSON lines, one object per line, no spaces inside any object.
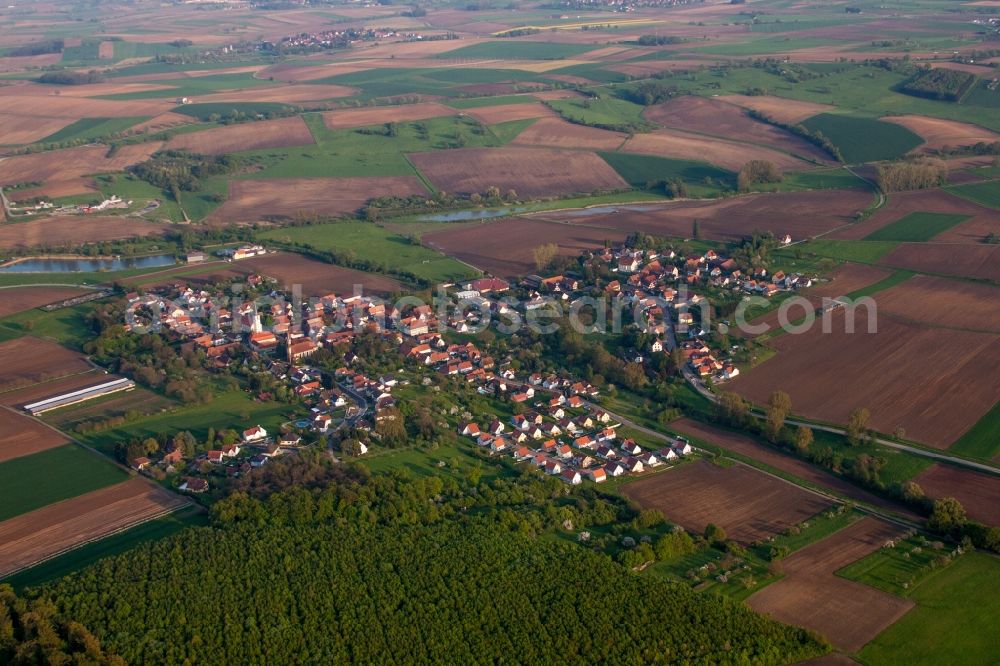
{"x":558,"y":427}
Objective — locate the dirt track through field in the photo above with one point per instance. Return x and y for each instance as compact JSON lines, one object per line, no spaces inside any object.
{"x":849,"y":614}
{"x":748,"y":504}
{"x":46,"y":532}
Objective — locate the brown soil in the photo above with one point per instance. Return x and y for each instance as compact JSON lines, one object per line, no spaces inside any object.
{"x":253,"y":200}
{"x":491,"y":115}
{"x":557,"y":133}
{"x":29,"y":360}
{"x":749,"y":505}
{"x":751,"y":448}
{"x":939,"y":133}
{"x":277,"y":133}
{"x":50,"y":530}
{"x":978,"y":493}
{"x":717,"y":118}
{"x":20,"y":299}
{"x":71,"y":163}
{"x":280,"y":94}
{"x":21,"y":435}
{"x":778,"y":108}
{"x":529,"y":172}
{"x":385,"y":114}
{"x":689,"y":146}
{"x":849,"y":614}
{"x":73,"y":229}
{"x":972,"y":261}
{"x":930,"y":381}
{"x":505,"y":247}
{"x":317,"y":278}
{"x":944,"y":302}
{"x":20,"y":129}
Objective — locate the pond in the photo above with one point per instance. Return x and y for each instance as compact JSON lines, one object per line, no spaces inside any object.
{"x":84,"y":265}
{"x":469,"y":215}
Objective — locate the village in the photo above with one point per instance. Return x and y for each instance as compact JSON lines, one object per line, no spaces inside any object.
{"x":556,"y":424}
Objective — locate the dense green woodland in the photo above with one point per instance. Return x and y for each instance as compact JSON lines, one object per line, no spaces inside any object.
{"x":375,"y":569}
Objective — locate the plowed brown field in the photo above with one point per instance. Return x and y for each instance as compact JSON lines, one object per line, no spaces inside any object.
{"x":253,"y":200}
{"x":317,"y":278}
{"x":29,"y":360}
{"x":530,"y":172}
{"x":973,"y":261}
{"x":245,"y":136}
{"x":491,"y":115}
{"x":944,"y":302}
{"x":978,"y":493}
{"x":385,"y":114}
{"x":712,"y":116}
{"x":749,"y":505}
{"x":849,"y":614}
{"x":930,"y":381}
{"x":778,"y":108}
{"x":939,"y":133}
{"x":48,"y":531}
{"x":557,"y":133}
{"x":505,"y":247}
{"x":21,"y":435}
{"x":20,"y":299}
{"x":688,"y":146}
{"x":74,"y":230}
{"x":71,"y":163}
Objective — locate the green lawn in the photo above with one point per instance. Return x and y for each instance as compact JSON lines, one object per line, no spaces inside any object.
{"x":987,"y":194}
{"x":85,"y":555}
{"x":606,"y":112}
{"x":867,"y":252}
{"x":234,"y":409}
{"x":368,"y":241}
{"x":981,"y":441}
{"x":954,"y":621}
{"x":92,"y":128}
{"x":641,"y":170}
{"x":916,"y":227}
{"x":521,"y":50}
{"x":31,"y":482}
{"x":836,"y":178}
{"x":863,"y":139}
{"x":896,"y":570}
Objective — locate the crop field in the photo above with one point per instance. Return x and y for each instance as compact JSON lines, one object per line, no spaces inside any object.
{"x":294,"y":94}
{"x":519,"y":50}
{"x":955,"y":615}
{"x":938,"y":202}
{"x":51,"y":387}
{"x":780,"y":109}
{"x":980,"y":441}
{"x":505,"y":113}
{"x":717,"y":118}
{"x":316,"y":277}
{"x":126,"y":404}
{"x":62,"y":165}
{"x":720,"y":152}
{"x":363,"y":117}
{"x":799,"y":214}
{"x":864,"y":139}
{"x":74,"y":108}
{"x":20,"y":299}
{"x":971,"y":261}
{"x":279,"y":133}
{"x":849,"y":614}
{"x":943,"y":302}
{"x":30,"y":360}
{"x":979,"y":493}
{"x":51,"y":530}
{"x":505,"y":247}
{"x":372,"y":243}
{"x":283,"y":198}
{"x":20,"y":129}
{"x":917,"y":227}
{"x":987,"y":194}
{"x":641,"y":170}
{"x":745,"y":445}
{"x":92,"y":128}
{"x":938,"y":133}
{"x":36,"y":480}
{"x":828,"y":375}
{"x":73,"y":230}
{"x":22,"y":436}
{"x":558,"y":133}
{"x":749,"y":505}
{"x":529,"y":172}
{"x":606,"y":113}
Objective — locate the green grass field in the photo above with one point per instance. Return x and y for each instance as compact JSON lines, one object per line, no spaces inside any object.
{"x":92,"y":128}
{"x":67,"y":326}
{"x":817,"y":179}
{"x":898,"y":277}
{"x":368,"y":241}
{"x":987,"y":194}
{"x":85,"y":555}
{"x":31,"y":482}
{"x":640,"y":170}
{"x":916,"y":227}
{"x":518,"y":50}
{"x":865,"y":251}
{"x":234,"y":409}
{"x":981,"y":441}
{"x":606,"y":112}
{"x":954,"y":621}
{"x":864,"y":139}
{"x":895,"y":570}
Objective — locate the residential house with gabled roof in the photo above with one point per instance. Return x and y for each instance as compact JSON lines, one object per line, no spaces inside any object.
{"x":571,"y":476}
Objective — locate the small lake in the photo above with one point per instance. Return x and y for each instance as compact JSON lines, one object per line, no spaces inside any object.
{"x":83,"y":265}
{"x":469,"y":215}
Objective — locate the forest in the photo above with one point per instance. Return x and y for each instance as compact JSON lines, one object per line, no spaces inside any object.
{"x":943,"y":84}
{"x":386,"y":569}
